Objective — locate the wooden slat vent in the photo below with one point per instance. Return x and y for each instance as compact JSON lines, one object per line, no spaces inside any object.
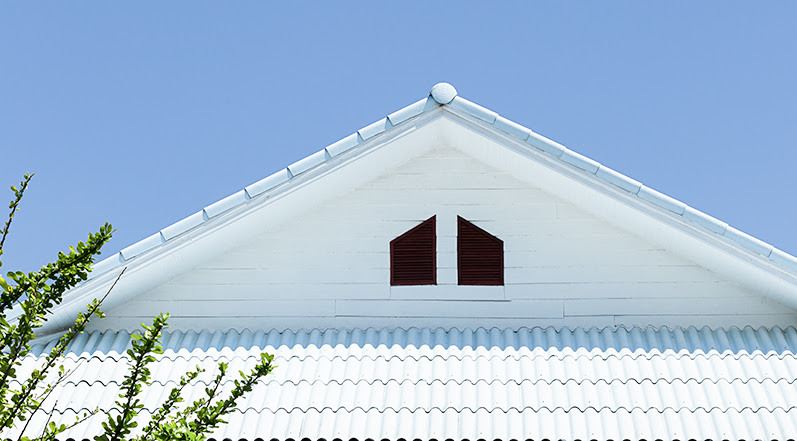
{"x":480,"y":256}
{"x":413,"y":256}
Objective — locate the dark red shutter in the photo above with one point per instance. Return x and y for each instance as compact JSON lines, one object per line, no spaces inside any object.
{"x":480,"y":255}
{"x":413,"y":258}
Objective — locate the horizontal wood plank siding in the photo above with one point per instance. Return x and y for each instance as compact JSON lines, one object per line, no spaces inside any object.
{"x":458,"y":308}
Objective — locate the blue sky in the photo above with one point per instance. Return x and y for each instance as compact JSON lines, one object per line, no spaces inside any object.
{"x":142,"y":113}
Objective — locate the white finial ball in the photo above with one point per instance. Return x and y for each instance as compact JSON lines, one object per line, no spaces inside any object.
{"x":443,"y":93}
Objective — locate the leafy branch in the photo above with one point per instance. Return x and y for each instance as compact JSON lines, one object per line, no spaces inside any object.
{"x":30,"y":298}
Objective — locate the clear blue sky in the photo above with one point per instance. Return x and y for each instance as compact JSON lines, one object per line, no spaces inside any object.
{"x":142,"y":113}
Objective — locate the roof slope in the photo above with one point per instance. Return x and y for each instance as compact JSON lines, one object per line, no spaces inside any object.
{"x":531,"y":383}
{"x":779,"y":268}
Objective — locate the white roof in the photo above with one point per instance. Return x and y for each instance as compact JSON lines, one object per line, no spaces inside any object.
{"x":533,"y":383}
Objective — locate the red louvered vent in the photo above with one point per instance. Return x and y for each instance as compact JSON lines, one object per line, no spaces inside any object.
{"x":413,"y":258}
{"x":480,"y":255}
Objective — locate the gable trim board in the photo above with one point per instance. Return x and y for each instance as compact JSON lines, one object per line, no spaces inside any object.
{"x":425,"y":124}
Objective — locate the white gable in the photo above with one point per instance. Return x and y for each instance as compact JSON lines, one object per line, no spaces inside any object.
{"x":330,"y":266}
{"x":459,"y":137}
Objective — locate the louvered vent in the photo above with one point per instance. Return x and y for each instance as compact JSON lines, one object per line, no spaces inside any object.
{"x":413,"y":256}
{"x":480,"y":255}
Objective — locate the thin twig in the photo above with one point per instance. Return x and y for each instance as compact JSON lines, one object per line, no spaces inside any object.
{"x":17,"y":198}
{"x":42,"y":399}
{"x":46,"y":422}
{"x":88,"y":415}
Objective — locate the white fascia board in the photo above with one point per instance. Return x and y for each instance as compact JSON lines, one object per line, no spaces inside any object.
{"x":655,"y":223}
{"x":235,"y":228}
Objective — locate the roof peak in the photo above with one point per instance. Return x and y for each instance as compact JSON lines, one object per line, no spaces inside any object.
{"x":443,"y":93}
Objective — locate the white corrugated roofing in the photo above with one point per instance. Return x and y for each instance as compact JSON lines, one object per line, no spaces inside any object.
{"x":531,"y":383}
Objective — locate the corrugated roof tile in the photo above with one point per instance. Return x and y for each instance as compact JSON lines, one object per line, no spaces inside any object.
{"x":362,"y":425}
{"x":583,"y":378}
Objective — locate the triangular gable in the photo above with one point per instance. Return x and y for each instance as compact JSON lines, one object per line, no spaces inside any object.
{"x":444,"y":117}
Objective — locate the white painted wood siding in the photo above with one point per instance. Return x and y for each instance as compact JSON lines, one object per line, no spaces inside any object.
{"x":563,"y":267}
